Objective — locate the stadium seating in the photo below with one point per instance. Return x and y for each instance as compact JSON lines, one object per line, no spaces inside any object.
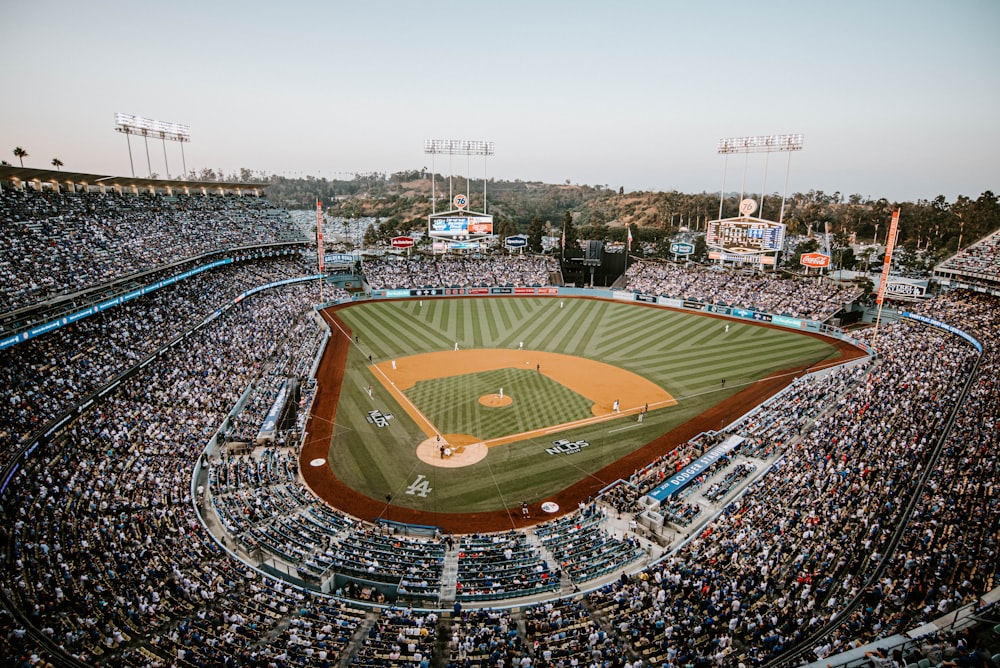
{"x":107,"y":557}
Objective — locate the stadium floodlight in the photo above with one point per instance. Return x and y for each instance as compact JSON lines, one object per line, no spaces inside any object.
{"x":759,"y":144}
{"x":129,"y":124}
{"x":458,"y":147}
{"x":450,"y":147}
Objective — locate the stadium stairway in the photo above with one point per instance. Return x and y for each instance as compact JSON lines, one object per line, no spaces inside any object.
{"x":449,"y":578}
{"x":358,"y":639}
{"x":442,"y":654}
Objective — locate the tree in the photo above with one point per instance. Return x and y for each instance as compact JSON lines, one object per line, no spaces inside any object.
{"x":503,"y":227}
{"x":57,"y":163}
{"x":20,"y":154}
{"x":370,"y":237}
{"x":535,"y":235}
{"x":808,"y":246}
{"x":700,"y":248}
{"x":572,"y":238}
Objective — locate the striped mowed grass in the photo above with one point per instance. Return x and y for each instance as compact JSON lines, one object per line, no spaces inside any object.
{"x":685,"y":354}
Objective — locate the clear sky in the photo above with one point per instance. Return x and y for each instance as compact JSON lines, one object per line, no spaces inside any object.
{"x":895,"y":99}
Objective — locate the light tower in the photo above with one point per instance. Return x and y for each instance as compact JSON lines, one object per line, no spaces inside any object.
{"x":766,"y":144}
{"x":452,"y":147}
{"x":146,"y":127}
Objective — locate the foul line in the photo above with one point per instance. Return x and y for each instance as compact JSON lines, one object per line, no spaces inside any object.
{"x":631,"y":426}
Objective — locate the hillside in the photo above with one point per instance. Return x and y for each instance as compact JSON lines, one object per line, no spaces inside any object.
{"x":402,"y":200}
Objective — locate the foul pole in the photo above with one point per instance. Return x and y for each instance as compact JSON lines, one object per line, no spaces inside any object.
{"x":890,"y":246}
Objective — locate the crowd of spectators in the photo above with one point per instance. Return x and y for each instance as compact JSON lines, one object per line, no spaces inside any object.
{"x":814,"y":298}
{"x":108,"y":558}
{"x":59,"y":369}
{"x":455,"y":271}
{"x":105,"y":543}
{"x":783,"y":558}
{"x":774,"y":565}
{"x":584,"y":548}
{"x":56,"y":243}
{"x":502,"y":565}
{"x":979,"y":261}
{"x":399,"y":637}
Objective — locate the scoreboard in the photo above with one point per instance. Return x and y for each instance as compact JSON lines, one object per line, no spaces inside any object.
{"x":745,"y":236}
{"x":464,"y":226}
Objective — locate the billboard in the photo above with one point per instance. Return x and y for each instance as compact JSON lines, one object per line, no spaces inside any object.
{"x":818,"y":260}
{"x":682,"y":249}
{"x":738,"y":257}
{"x":339,"y":258}
{"x":745,"y":236}
{"x":460,"y":226}
{"x":901,"y":289}
{"x":516,"y":241}
{"x":402,"y":242}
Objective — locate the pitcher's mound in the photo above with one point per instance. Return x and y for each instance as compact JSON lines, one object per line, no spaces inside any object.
{"x":465,"y":450}
{"x":495,"y":400}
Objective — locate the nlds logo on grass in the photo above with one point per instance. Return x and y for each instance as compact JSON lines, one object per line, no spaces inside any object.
{"x":564,"y":447}
{"x":379,"y":419}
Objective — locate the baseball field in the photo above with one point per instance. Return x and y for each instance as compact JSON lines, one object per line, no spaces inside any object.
{"x":437,"y":409}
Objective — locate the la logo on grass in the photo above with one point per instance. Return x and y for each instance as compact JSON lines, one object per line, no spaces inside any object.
{"x":421,"y":487}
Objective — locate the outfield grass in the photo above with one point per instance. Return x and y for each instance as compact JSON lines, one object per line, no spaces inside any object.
{"x":685,"y":354}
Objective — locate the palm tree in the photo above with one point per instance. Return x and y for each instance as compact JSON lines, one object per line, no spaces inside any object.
{"x":57,"y":163}
{"x":20,"y":154}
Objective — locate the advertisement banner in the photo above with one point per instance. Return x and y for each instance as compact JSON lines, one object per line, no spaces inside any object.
{"x":548,"y":291}
{"x":817,"y":260}
{"x":524,"y":291}
{"x":455,"y":227}
{"x":948,"y":328}
{"x":786,"y":321}
{"x":905,"y":289}
{"x":694,"y":469}
{"x":479,"y":291}
{"x":501,"y":291}
{"x":339,"y":258}
{"x":645,"y":297}
{"x":480,"y":226}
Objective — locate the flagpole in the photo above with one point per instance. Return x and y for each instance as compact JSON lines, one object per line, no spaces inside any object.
{"x":628,"y":244}
{"x":563,"y":260}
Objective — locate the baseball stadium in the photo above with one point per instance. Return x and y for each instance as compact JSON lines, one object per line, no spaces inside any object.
{"x":219,"y":451}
